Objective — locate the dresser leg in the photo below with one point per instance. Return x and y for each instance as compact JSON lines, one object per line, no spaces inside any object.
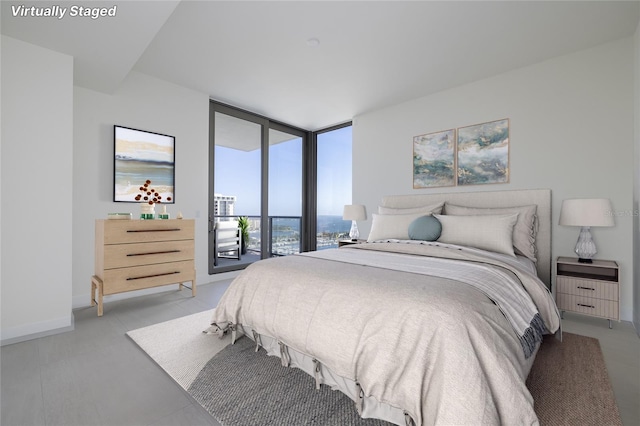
{"x":193,"y":287}
{"x":93,"y":293}
{"x":610,"y":325}
{"x":100,"y":290}
{"x":96,"y":284}
{"x":561,"y":314}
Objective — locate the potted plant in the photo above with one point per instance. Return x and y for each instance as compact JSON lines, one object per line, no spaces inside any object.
{"x":243,"y":224}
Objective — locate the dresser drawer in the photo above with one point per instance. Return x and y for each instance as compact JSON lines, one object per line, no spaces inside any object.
{"x":139,"y":277}
{"x":141,"y":231}
{"x":138,"y":254}
{"x":588,"y":305}
{"x":587,"y":288}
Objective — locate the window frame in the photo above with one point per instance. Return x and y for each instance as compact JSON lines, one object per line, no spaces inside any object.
{"x":266,"y":123}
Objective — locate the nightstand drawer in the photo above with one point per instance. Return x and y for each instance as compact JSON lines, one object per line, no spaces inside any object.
{"x":587,"y":305}
{"x":139,"y":277}
{"x":125,"y":255}
{"x":587,"y":288}
{"x":142,"y":231}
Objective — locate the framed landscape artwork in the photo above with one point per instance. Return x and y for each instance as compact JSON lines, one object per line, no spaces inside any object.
{"x":470,"y":155}
{"x":483,"y":153}
{"x":141,"y":156}
{"x":434,"y":159}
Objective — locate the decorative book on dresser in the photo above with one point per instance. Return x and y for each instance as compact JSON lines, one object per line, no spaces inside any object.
{"x":137,"y":254}
{"x":588,"y":288}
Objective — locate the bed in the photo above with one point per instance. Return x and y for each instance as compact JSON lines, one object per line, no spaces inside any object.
{"x":414,"y":331}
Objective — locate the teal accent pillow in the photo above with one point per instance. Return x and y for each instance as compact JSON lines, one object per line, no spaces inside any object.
{"x":425,"y":228}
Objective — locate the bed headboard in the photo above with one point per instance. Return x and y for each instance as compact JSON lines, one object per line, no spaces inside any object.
{"x":512,"y":198}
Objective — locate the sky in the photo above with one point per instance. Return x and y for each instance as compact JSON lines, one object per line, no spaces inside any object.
{"x":238,"y":173}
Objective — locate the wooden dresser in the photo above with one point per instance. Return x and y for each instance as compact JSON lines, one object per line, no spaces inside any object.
{"x":138,"y":254}
{"x":588,"y":288}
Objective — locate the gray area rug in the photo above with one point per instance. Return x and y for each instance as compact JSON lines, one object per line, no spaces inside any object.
{"x":268,"y":393}
{"x":239,"y":387}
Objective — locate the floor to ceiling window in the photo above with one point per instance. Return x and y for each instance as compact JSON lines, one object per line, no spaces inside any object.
{"x":285,"y":193}
{"x":256,"y":180}
{"x":333,"y":153}
{"x":275,"y":190}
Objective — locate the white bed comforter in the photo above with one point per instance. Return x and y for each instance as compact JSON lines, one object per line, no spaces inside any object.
{"x":436,"y":348}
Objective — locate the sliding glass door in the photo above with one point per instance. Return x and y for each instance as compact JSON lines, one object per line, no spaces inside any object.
{"x":256,"y":186}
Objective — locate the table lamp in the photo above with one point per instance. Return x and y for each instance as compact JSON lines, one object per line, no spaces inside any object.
{"x":354,"y":212}
{"x":586,"y":213}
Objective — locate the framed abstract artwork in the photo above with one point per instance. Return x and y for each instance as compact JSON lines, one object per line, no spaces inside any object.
{"x":142,"y":156}
{"x":483,"y":153}
{"x":434,"y":159}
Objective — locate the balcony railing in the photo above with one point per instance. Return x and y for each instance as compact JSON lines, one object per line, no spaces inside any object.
{"x":284,"y":234}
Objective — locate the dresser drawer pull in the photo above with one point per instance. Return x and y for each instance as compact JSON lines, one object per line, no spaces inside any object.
{"x":153,"y":252}
{"x":153,"y":276}
{"x":586,"y":306}
{"x":154,"y":230}
{"x":586,"y":288}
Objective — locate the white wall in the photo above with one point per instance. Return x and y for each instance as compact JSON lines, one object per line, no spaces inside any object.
{"x":636,"y":197}
{"x":37,"y":211}
{"x":145,"y":103}
{"x":572,"y":128}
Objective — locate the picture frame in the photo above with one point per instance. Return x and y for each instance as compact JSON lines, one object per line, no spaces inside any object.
{"x":483,"y":153}
{"x":141,"y":155}
{"x":434,"y":159}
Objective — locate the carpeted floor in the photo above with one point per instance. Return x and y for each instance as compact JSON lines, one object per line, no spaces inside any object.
{"x":568,"y":381}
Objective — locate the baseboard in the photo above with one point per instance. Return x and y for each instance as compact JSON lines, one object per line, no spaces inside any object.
{"x":84,"y":300}
{"x":36,"y":330}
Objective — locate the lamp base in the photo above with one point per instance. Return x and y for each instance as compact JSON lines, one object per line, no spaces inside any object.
{"x":585,"y":247}
{"x":354,"y":234}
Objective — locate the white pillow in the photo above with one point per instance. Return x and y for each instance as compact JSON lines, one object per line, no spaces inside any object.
{"x":487,"y":232}
{"x":433,"y":208}
{"x":391,"y":226}
{"x":524,"y":231}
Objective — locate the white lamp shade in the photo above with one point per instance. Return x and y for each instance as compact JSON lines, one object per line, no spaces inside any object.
{"x":586,"y":212}
{"x":354,"y":212}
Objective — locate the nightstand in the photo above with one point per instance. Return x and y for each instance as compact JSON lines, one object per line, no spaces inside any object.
{"x":348,"y":242}
{"x":588,"y":288}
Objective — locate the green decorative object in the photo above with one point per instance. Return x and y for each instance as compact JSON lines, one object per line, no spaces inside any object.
{"x":163,"y":214}
{"x":147,"y":211}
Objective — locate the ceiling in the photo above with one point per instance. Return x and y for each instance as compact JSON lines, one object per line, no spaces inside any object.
{"x":371,"y":54}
